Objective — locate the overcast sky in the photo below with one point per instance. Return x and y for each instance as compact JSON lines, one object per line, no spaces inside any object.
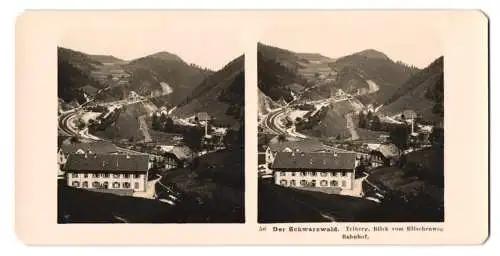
{"x":411,"y":38}
{"x":210,"y":43}
{"x":213,"y":39}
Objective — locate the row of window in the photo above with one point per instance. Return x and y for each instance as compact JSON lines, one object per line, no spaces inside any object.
{"x":104,"y":185}
{"x":312,"y":183}
{"x":322,"y":174}
{"x":105,"y":175}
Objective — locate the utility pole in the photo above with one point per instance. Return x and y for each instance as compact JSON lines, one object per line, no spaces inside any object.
{"x":206,"y":127}
{"x":412,"y":123}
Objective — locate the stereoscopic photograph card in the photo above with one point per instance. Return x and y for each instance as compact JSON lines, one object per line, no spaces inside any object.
{"x":252,"y":127}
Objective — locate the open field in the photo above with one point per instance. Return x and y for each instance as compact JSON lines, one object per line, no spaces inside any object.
{"x":127,"y":125}
{"x":306,"y":206}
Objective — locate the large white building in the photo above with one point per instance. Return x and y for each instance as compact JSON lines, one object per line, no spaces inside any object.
{"x":107,"y":171}
{"x":335,"y":170}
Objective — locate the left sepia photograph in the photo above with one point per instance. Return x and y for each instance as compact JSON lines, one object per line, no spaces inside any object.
{"x":150,"y":131}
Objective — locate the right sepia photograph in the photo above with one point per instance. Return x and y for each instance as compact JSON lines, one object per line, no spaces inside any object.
{"x":350,"y":127}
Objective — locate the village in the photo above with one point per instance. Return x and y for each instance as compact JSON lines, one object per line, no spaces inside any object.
{"x":389,"y":166}
{"x":126,"y":167}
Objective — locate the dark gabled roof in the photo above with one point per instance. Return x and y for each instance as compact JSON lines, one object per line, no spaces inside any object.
{"x":170,"y":155}
{"x":314,"y":161}
{"x":387,"y":150}
{"x":107,"y":163}
{"x":97,"y":147}
{"x":296,"y":88}
{"x":89,"y":90}
{"x":306,"y":146}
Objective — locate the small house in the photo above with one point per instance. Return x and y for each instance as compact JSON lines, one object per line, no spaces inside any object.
{"x":385,"y":155}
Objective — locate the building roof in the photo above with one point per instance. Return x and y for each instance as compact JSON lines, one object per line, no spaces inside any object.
{"x":107,"y":163}
{"x":314,"y":161}
{"x":182,"y":152}
{"x":170,"y":155}
{"x":388,"y":150}
{"x":89,"y":90}
{"x":203,"y":116}
{"x":296,"y":88}
{"x":298,"y":146}
{"x":97,"y":147}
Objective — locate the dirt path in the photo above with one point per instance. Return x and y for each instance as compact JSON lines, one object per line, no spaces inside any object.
{"x":144,"y":128}
{"x":351,"y":127}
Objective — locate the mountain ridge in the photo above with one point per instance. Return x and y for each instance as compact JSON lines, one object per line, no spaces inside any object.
{"x":147,"y":76}
{"x":423,"y":92}
{"x":221,"y":95}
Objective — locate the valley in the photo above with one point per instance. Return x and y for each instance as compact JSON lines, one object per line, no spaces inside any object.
{"x":365,"y":105}
{"x":187,"y":120}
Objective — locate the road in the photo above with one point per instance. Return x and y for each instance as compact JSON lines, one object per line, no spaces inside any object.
{"x":272,"y":121}
{"x":66,"y":127}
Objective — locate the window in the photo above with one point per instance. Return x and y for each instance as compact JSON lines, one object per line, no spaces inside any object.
{"x":293,"y":173}
{"x":136,"y":185}
{"x":137,"y":176}
{"x":303,"y":182}
{"x":75,"y":184}
{"x":116,"y":175}
{"x":116,"y":185}
{"x":323,"y":174}
{"x":323,"y":183}
{"x":95,"y":175}
{"x":85,"y":175}
{"x":96,"y":184}
{"x":334,"y":183}
{"x":303,"y":174}
{"x":106,"y":175}
{"x":126,"y":176}
{"x":292,"y":183}
{"x":312,"y":173}
{"x":105,"y":185}
{"x":332,"y":174}
{"x":313,"y":183}
{"x":85,"y":184}
{"x":344,"y":184}
{"x":283,"y":182}
{"x":74,"y":175}
{"x":126,"y":185}
{"x":282,"y":173}
{"x":344,"y":174}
